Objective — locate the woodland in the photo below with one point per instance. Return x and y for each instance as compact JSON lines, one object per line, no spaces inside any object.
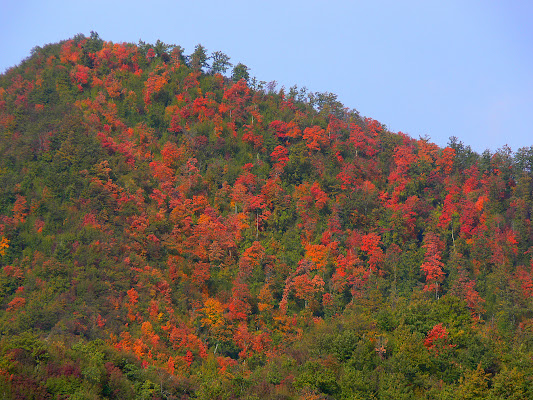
{"x":173,"y":228}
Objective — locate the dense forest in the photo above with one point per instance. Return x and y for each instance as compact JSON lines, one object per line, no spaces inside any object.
{"x":172,"y":228}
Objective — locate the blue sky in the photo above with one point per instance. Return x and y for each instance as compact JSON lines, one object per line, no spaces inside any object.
{"x":441,"y":69}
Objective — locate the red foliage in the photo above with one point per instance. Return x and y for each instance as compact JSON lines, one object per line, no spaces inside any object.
{"x":432,"y":265}
{"x":253,"y":137}
{"x":239,"y":307}
{"x":243,"y":339}
{"x":450,"y":206}
{"x":189,"y":358}
{"x":69,"y":53}
{"x":113,"y":86}
{"x":150,"y":54}
{"x":465,"y":289}
{"x":437,"y":339}
{"x":201,"y":273}
{"x":306,"y":287}
{"x":285,"y":130}
{"x":371,"y":245}
{"x":446,"y":159}
{"x":365,"y":143}
{"x":280,"y":157}
{"x":315,"y":137}
{"x":100,"y":322}
{"x":525,"y":278}
{"x":80,"y":74}
{"x":235,"y":99}
{"x":251,"y":260}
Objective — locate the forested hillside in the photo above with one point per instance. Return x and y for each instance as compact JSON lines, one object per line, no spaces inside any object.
{"x":171,"y":228}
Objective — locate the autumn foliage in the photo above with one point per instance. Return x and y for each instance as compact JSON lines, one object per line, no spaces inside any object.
{"x":169,"y":231}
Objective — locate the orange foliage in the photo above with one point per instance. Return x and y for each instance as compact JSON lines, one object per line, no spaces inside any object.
{"x":20,"y":210}
{"x":212,"y":314}
{"x":305,"y":288}
{"x":153,"y":85}
{"x":69,"y":53}
{"x":315,"y":137}
{"x":100,"y":322}
{"x":15,"y":304}
{"x":318,"y":254}
{"x":4,"y":244}
{"x":133,"y":296}
{"x":446,"y":159}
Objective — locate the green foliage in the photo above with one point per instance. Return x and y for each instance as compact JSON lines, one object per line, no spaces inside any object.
{"x":318,"y":377}
{"x":240,"y":71}
{"x":220,"y":63}
{"x":198,"y":59}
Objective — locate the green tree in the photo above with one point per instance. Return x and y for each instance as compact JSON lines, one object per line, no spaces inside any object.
{"x":199,"y":58}
{"x":161,"y":48}
{"x":220,"y":63}
{"x":240,"y":71}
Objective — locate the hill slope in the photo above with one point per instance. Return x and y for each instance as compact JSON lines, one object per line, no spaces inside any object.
{"x":169,"y":232}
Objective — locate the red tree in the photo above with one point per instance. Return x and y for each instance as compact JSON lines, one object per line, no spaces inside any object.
{"x":432,"y":265}
{"x":437,"y":339}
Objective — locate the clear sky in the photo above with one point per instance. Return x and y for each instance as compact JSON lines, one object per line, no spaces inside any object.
{"x":437,"y":68}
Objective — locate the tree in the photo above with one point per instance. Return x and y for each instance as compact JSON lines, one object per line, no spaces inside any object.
{"x":220,"y":63}
{"x":240,"y":71}
{"x":432,"y":265}
{"x":94,"y":43}
{"x":465,"y":157}
{"x":15,"y":304}
{"x":473,"y":385}
{"x":523,"y":160}
{"x":371,"y":245}
{"x":162,"y":49}
{"x":280,"y":157}
{"x":315,"y":137}
{"x":465,"y":289}
{"x":199,"y":58}
{"x":437,"y":339}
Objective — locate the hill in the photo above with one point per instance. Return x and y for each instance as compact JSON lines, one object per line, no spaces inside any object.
{"x":171,"y":230}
